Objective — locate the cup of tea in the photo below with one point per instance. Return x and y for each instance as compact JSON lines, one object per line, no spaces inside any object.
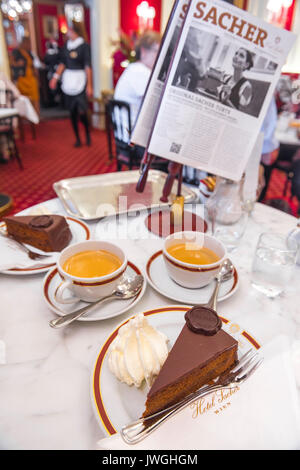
{"x":89,"y":270}
{"x":193,"y":259}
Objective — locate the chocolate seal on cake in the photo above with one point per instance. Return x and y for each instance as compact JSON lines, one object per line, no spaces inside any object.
{"x":203,"y":320}
{"x":41,"y":221}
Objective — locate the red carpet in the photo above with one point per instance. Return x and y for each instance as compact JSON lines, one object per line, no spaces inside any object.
{"x":50,"y":158}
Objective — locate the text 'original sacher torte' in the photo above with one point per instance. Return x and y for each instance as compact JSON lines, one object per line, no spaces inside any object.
{"x":45,"y":232}
{"x":200,"y":354}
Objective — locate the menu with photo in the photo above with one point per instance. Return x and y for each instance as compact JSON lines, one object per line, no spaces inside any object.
{"x":211,"y":87}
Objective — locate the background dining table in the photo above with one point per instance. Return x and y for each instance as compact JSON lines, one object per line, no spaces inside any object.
{"x":8,"y":113}
{"x":45,"y":374}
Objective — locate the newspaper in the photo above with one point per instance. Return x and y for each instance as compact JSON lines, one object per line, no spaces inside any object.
{"x":205,"y":109}
{"x":147,"y":114}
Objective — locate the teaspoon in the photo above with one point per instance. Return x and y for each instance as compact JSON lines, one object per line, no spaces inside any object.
{"x":225,"y":273}
{"x":126,"y":290}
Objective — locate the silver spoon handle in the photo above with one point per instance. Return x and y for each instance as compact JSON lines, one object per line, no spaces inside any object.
{"x":67,"y":319}
{"x":212,"y":303}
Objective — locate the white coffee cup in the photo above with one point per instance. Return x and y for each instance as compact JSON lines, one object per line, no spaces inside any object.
{"x":193,"y":275}
{"x":93,"y":288}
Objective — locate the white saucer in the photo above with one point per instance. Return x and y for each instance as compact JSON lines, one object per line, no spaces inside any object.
{"x":80,"y":232}
{"x":106,"y":310}
{"x":160,"y":280}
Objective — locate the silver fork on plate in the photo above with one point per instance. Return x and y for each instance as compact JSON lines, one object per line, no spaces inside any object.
{"x":138,"y":430}
{"x":30,"y":253}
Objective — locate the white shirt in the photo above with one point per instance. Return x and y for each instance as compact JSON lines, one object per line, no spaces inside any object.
{"x":131,"y":87}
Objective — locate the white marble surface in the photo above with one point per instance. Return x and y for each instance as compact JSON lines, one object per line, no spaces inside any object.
{"x":45,"y":374}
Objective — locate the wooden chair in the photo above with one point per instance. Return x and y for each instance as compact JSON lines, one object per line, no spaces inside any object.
{"x":6,"y":203}
{"x":284,"y":163}
{"x":118,"y":135}
{"x":7,"y":128}
{"x":119,"y":130}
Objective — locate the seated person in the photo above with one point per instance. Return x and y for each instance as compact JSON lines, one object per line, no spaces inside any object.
{"x":270,"y":149}
{"x":236,"y":90}
{"x":132,"y":84}
{"x":23,"y":65}
{"x":296,"y":178}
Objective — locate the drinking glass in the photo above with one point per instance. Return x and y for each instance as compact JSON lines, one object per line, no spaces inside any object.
{"x":228,"y":225}
{"x":273,"y":263}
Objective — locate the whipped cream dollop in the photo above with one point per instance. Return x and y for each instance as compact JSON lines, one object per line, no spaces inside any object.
{"x":138,"y":352}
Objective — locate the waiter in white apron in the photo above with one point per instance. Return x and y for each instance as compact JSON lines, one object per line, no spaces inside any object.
{"x":75,"y":73}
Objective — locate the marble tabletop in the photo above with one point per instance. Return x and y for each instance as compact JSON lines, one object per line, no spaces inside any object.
{"x":45,"y":374}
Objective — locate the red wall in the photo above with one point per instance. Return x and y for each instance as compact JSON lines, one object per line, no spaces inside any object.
{"x":289,"y":21}
{"x":46,"y":10}
{"x":52,"y":10}
{"x":129,"y":18}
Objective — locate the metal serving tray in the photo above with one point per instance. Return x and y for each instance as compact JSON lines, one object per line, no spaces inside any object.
{"x":98,"y":196}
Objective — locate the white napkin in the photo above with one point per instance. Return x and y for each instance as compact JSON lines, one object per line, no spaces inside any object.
{"x":262,"y":414}
{"x":13,"y":256}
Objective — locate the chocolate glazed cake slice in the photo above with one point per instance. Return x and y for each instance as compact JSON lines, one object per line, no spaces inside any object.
{"x":200,"y":354}
{"x":46,"y":232}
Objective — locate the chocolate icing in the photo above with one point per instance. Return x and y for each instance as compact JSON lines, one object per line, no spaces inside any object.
{"x":46,"y":232}
{"x":203,"y":320}
{"x":41,"y":221}
{"x":191,"y":351}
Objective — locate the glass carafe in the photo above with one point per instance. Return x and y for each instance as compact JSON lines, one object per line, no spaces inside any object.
{"x":226,"y":212}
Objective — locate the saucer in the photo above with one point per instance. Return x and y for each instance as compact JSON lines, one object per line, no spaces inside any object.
{"x":159,"y":279}
{"x":80,"y":232}
{"x":106,"y":310}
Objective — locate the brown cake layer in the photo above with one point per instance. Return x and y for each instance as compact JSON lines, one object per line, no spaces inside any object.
{"x":46,"y":232}
{"x":194,"y":361}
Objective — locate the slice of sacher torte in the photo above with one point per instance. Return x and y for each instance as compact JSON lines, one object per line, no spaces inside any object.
{"x":200,"y":354}
{"x":46,"y":232}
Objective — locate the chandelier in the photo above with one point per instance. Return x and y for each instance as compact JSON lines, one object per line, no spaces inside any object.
{"x":146,"y":15}
{"x":14,"y":8}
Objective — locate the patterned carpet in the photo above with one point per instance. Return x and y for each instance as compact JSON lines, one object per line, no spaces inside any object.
{"x":51,"y":157}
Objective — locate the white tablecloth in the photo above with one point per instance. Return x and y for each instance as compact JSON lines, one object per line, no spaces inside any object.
{"x":26,"y":110}
{"x":45,"y":392}
{"x":8,"y":112}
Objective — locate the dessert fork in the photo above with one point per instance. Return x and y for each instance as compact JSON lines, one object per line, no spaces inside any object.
{"x":30,"y":253}
{"x":138,"y":430}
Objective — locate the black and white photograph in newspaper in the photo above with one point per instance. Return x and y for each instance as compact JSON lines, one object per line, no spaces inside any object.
{"x":224,"y":71}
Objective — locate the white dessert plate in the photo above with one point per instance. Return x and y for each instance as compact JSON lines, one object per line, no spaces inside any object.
{"x":106,"y":310}
{"x":116,"y":404}
{"x":80,"y":232}
{"x":159,"y":279}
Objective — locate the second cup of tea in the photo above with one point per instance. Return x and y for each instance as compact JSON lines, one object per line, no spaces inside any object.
{"x":193,"y":259}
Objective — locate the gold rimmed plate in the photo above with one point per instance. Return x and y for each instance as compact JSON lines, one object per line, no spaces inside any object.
{"x":116,"y":404}
{"x":80,"y":232}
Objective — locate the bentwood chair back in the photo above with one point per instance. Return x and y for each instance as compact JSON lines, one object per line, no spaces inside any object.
{"x":6,"y":125}
{"x":119,"y":126}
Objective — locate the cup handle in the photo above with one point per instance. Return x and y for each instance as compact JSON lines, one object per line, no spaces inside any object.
{"x":58,"y":294}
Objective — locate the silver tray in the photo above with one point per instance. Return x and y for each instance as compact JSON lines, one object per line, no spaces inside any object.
{"x":98,"y":196}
